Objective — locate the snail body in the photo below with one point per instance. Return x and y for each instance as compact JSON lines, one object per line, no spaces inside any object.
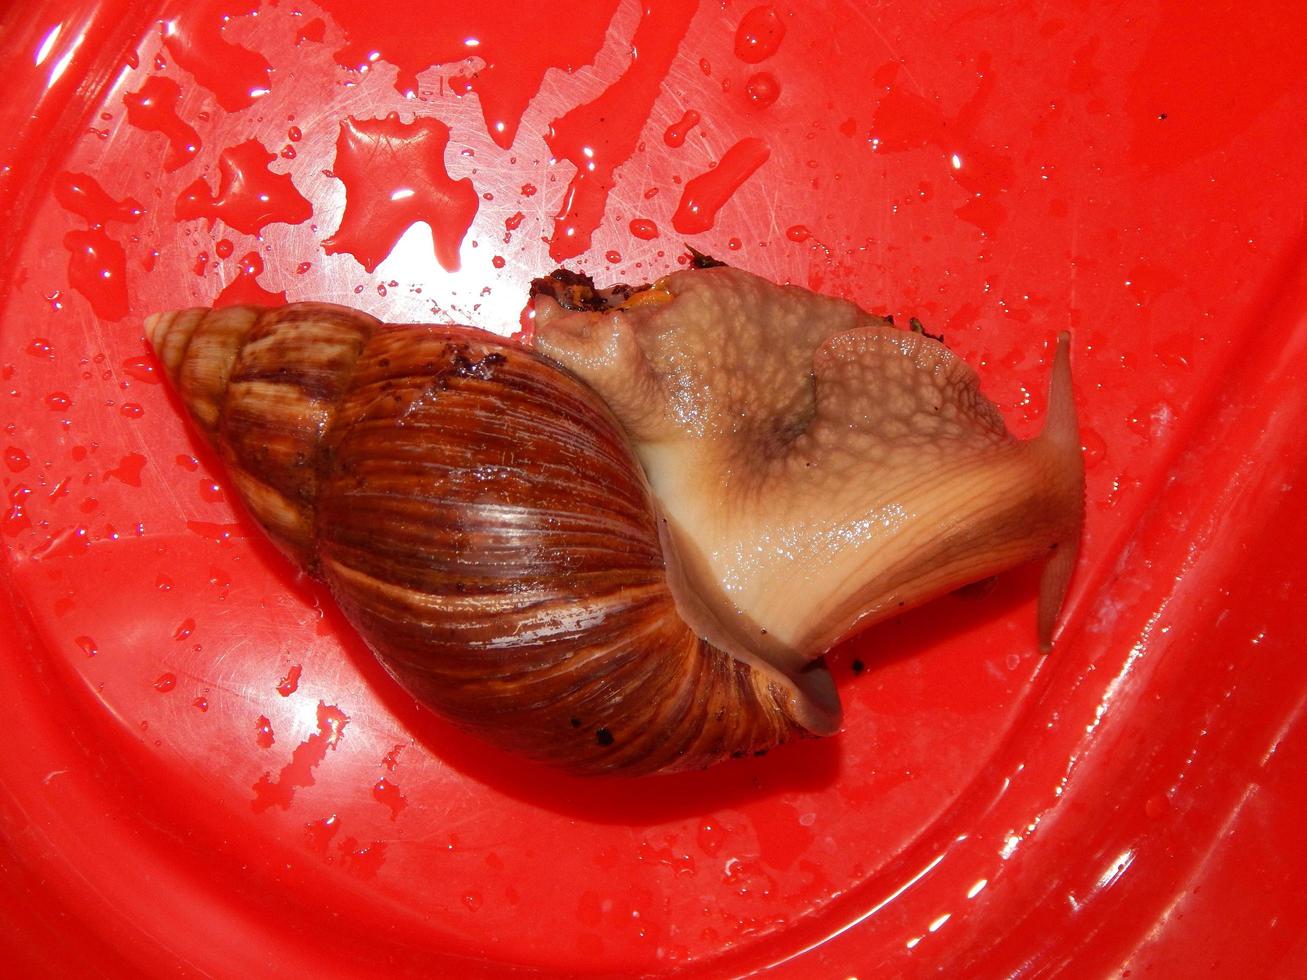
{"x":512,"y":527}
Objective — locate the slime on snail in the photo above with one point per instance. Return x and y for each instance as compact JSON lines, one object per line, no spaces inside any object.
{"x":625,"y":544}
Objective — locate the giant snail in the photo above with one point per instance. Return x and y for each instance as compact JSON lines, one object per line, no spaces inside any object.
{"x":624,"y":544}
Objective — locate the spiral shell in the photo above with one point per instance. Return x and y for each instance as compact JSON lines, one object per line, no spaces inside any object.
{"x":482,"y":522}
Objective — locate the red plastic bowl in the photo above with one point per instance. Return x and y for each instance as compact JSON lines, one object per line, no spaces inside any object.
{"x":205,"y":772}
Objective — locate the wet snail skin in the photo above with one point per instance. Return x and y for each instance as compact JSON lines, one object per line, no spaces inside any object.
{"x":624,"y":544}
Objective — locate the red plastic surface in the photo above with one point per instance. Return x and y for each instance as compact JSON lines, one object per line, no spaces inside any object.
{"x":205,"y":772}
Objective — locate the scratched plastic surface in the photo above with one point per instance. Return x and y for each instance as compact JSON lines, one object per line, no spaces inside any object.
{"x":203,"y":770}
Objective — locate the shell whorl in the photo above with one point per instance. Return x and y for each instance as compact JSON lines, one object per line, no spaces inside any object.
{"x":481,"y":520}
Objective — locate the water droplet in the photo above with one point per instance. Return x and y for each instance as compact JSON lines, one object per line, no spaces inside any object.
{"x":759,"y":35}
{"x":249,"y":195}
{"x":307,"y":756}
{"x":15,"y":520}
{"x":313,"y":31}
{"x":16,"y":460}
{"x":704,"y":195}
{"x":87,"y":645}
{"x":201,"y":702}
{"x":165,"y":683}
{"x":184,"y":630}
{"x":263,"y":736}
{"x":142,"y":369}
{"x":289,"y":683}
{"x":798,"y":233}
{"x":154,"y":109}
{"x":235,"y":75}
{"x":644,"y":229}
{"x":363,"y":861}
{"x":128,"y":470}
{"x":97,"y":268}
{"x":1093,"y":446}
{"x":394,"y":176}
{"x":320,"y":832}
{"x":245,"y":288}
{"x":711,"y":837}
{"x":388,"y":794}
{"x":599,"y":136}
{"x":510,"y":44}
{"x":82,"y":195}
{"x":676,"y":133}
{"x":762,"y":89}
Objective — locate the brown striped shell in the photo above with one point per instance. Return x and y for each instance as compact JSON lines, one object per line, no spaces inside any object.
{"x":481,"y":520}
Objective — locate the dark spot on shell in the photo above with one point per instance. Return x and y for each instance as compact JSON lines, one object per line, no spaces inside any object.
{"x":858,"y":666}
{"x":482,"y":369}
{"x":576,"y":722}
{"x":604,"y":737}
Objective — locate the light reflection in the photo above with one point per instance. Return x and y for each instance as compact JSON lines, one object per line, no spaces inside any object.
{"x":939,"y":922}
{"x":878,"y":906}
{"x":47,"y":43}
{"x":1116,"y":868}
{"x":402,"y":193}
{"x":977,"y":888}
{"x":61,"y":65}
{"x":956,"y":161}
{"x":472,"y":42}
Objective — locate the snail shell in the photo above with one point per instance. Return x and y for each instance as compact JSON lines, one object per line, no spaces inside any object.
{"x":630,"y":554}
{"x":480,"y":519}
